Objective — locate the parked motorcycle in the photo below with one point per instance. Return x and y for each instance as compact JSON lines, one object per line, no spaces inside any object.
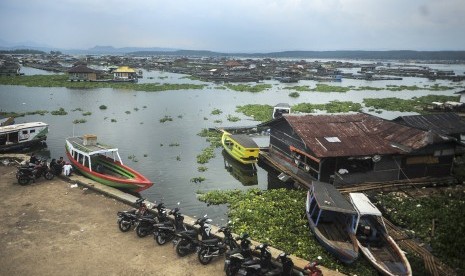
{"x":145,"y":224}
{"x":188,"y":241}
{"x":215,"y":247}
{"x":260,"y":266}
{"x":235,"y":257}
{"x":26,"y":174}
{"x":165,"y":232}
{"x":126,"y":219}
{"x":312,"y":269}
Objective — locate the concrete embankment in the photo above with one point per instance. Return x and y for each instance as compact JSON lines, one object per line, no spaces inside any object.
{"x":126,"y":198}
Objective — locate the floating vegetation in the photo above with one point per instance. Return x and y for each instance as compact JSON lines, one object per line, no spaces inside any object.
{"x":136,"y":109}
{"x":206,"y":155}
{"x":174,"y":145}
{"x":77,"y":109}
{"x":205,"y":118}
{"x":202,"y":169}
{"x":144,"y":106}
{"x":62,"y":81}
{"x":213,"y":137}
{"x":216,"y":111}
{"x":103,"y":107}
{"x":180,"y":116}
{"x":248,"y":88}
{"x":301,"y":88}
{"x":127,"y":112}
{"x":22,"y":114}
{"x":198,"y":179}
{"x":278,"y":218}
{"x":218,"y":121}
{"x":294,"y":94}
{"x":166,"y":119}
{"x":113,"y":120}
{"x":232,"y":118}
{"x":133,"y":158}
{"x":329,"y":88}
{"x":178,"y":158}
{"x":88,"y":113}
{"x":60,"y":112}
{"x":79,"y":121}
{"x":331,"y":107}
{"x":260,"y":112}
{"x":416,"y":104}
{"x":145,"y":154}
{"x":435,"y":219}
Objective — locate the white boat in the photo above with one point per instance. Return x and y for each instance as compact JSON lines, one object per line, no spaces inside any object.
{"x":19,"y":136}
{"x":376,"y":245}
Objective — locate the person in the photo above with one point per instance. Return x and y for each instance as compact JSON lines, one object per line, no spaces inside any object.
{"x":55,"y":167}
{"x":61,"y":162}
{"x":33,"y":160}
{"x":67,"y":169}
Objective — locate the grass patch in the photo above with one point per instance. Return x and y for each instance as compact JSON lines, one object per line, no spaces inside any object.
{"x":260,"y":112}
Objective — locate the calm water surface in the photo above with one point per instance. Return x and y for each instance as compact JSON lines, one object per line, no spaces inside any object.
{"x":138,"y":131}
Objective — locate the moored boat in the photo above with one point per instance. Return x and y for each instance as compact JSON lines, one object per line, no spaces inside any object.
{"x":103,"y":164}
{"x":20,"y":136}
{"x":240,"y":147}
{"x":331,"y":218}
{"x":377,"y":246}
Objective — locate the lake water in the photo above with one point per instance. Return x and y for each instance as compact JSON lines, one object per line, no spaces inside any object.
{"x":138,"y":131}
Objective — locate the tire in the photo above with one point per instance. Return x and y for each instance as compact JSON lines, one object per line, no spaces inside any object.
{"x":49,"y":175}
{"x":141,"y":231}
{"x":201,"y":255}
{"x":181,"y":248}
{"x":23,"y":180}
{"x":231,"y":270}
{"x":124,"y":225}
{"x":161,"y":239}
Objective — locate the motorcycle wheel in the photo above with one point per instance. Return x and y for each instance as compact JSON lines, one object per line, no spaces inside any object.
{"x":161,"y":239}
{"x":124,"y":225}
{"x":141,"y":231}
{"x":201,"y":255}
{"x":49,"y":175}
{"x":231,"y":270}
{"x":23,"y":180}
{"x":182,"y":248}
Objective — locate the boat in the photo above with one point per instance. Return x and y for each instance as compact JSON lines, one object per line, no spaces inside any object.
{"x":280,"y":109}
{"x":240,"y":147}
{"x":331,"y":218}
{"x":20,"y":136}
{"x":103,"y":164}
{"x":376,"y":245}
{"x":244,"y":173}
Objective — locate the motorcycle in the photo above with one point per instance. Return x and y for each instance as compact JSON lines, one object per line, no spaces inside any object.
{"x":261,"y":266}
{"x":235,"y":257}
{"x":145,"y":224}
{"x":26,"y":174}
{"x":165,"y":232}
{"x":126,"y":219}
{"x":311,"y":269}
{"x":215,"y":247}
{"x":188,"y":241}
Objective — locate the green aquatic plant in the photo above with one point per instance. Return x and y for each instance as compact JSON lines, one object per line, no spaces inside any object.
{"x":61,"y":111}
{"x":166,"y":119}
{"x":248,"y":88}
{"x":260,"y":112}
{"x":294,"y":94}
{"x":79,"y":121}
{"x":88,"y":113}
{"x":216,"y":111}
{"x":103,"y":107}
{"x":232,"y":118}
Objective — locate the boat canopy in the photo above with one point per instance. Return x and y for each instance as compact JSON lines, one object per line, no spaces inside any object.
{"x":244,"y":141}
{"x":329,"y":198}
{"x":77,"y":143}
{"x":364,"y":205}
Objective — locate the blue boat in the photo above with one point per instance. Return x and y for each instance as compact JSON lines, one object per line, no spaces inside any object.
{"x":332,"y":220}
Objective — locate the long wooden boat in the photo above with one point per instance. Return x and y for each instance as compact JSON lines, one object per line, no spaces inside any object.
{"x":240,"y":147}
{"x":377,"y":246}
{"x":103,"y":164}
{"x":331,"y":217}
{"x":20,"y":136}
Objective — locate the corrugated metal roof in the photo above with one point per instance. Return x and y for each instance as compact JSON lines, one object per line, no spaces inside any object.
{"x":359,"y":135}
{"x":329,"y":198}
{"x":442,"y":123}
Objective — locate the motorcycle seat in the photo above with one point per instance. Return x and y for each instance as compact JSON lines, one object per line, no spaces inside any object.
{"x":210,"y":241}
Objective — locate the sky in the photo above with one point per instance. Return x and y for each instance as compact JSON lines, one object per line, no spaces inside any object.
{"x":237,"y":25}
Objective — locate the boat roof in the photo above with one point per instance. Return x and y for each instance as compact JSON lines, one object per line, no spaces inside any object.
{"x":329,"y":198}
{"x":17,"y":127}
{"x":244,"y":140}
{"x":78,"y":143}
{"x":364,"y":205}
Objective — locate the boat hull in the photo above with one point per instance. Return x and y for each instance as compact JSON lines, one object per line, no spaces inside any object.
{"x":347,"y":256}
{"x":22,"y":145}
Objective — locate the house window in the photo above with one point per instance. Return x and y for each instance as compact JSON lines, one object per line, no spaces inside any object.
{"x":333,"y":139}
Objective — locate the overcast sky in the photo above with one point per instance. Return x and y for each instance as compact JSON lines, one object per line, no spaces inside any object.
{"x":237,"y":25}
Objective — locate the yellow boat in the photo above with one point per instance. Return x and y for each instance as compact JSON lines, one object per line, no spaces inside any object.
{"x":240,"y":147}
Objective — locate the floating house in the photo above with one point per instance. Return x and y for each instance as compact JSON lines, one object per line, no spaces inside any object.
{"x":82,"y":73}
{"x":125,"y":73}
{"x":355,"y":148}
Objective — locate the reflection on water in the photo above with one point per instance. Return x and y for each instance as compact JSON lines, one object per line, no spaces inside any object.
{"x":245,"y":173}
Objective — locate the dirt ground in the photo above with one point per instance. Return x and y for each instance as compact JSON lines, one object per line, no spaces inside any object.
{"x":49,"y":228}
